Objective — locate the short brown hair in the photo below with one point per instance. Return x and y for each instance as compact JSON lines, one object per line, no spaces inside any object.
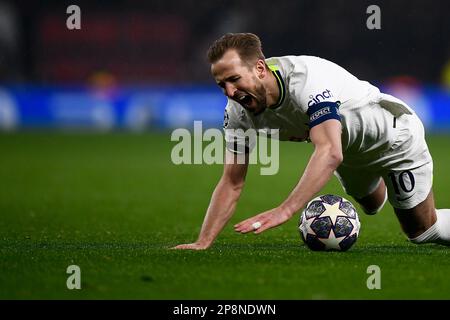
{"x":247,"y":45}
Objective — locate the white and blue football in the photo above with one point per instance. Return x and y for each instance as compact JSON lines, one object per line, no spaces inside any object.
{"x":329,"y":222}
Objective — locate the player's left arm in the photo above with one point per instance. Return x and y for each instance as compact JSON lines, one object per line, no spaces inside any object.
{"x":327,"y":156}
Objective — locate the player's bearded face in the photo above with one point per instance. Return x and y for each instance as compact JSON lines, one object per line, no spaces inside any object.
{"x":240,"y":82}
{"x":251,"y":94}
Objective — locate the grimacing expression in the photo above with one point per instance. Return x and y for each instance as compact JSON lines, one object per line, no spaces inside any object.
{"x":240,"y":81}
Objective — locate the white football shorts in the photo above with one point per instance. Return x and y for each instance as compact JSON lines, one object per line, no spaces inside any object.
{"x":407,"y":170}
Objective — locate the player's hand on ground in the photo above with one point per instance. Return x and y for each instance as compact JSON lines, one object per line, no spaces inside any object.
{"x":191,"y":246}
{"x":263,"y":221}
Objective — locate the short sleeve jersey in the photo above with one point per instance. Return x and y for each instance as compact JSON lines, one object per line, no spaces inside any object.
{"x":313,"y":90}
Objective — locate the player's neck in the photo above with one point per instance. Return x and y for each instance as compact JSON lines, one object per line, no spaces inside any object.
{"x":272,"y":90}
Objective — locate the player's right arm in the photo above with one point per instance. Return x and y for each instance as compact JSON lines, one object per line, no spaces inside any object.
{"x":223,"y":201}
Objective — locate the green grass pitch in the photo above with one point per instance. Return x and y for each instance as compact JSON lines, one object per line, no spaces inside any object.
{"x":113,"y":203}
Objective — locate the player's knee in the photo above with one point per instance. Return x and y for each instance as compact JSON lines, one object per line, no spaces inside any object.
{"x":368,"y":208}
{"x":372,"y":205}
{"x":371,"y":211}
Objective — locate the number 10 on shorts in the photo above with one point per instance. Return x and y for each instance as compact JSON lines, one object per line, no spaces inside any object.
{"x":403,"y":184}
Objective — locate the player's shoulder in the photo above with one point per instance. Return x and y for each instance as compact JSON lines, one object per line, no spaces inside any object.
{"x":293,"y":63}
{"x":285,"y":64}
{"x":299,"y":70}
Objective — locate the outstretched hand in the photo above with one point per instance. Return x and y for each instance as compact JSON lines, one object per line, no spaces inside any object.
{"x":191,"y":246}
{"x":263,"y":221}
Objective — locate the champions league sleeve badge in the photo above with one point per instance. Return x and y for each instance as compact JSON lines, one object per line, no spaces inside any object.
{"x":226,"y":119}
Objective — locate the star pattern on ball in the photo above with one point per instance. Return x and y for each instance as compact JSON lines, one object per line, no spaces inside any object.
{"x":332,"y":242}
{"x":356,"y":227}
{"x":305,"y":228}
{"x":332,"y":211}
{"x":331,"y":226}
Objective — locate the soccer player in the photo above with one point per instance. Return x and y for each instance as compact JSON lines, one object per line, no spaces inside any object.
{"x":373,"y":142}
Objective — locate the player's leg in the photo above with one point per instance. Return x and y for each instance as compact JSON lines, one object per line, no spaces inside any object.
{"x":409,"y":178}
{"x":411,"y":195}
{"x":424,"y":223}
{"x":417,"y":220}
{"x":366,"y":187}
{"x":374,"y":202}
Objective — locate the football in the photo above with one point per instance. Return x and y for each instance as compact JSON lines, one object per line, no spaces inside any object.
{"x":329,"y":222}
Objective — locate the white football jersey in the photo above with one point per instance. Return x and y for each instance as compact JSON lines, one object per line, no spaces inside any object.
{"x":368,"y":117}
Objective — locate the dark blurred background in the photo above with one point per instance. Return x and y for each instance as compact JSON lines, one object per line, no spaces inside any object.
{"x":135,"y":43}
{"x":165,"y":41}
